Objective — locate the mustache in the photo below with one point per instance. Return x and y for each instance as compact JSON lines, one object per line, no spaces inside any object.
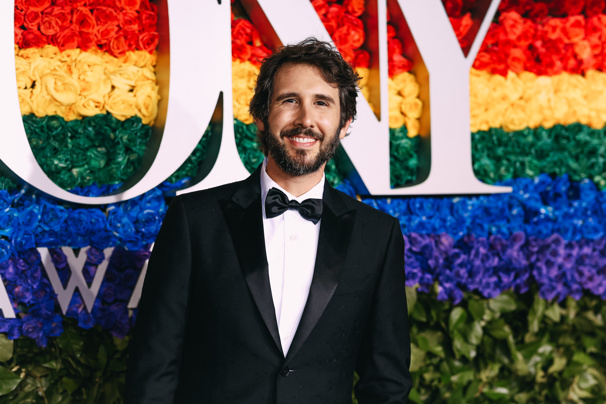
{"x":308,"y":132}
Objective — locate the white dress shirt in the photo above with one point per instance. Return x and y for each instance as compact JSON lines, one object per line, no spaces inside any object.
{"x":291,"y":243}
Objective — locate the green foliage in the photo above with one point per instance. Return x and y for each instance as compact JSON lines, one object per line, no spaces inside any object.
{"x":80,"y":366}
{"x":510,"y":349}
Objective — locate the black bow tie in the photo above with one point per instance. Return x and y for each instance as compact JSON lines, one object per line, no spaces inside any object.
{"x":277,"y":203}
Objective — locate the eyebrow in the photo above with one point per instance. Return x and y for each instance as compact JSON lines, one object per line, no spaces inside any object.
{"x":322,"y":97}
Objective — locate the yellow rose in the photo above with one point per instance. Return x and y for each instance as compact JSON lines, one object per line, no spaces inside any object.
{"x":137,"y":58}
{"x":69,"y":56}
{"x":124,"y":77}
{"x":515,"y":117}
{"x":29,"y":54}
{"x":396,"y":120}
{"x":411,"y":88}
{"x":90,"y":106}
{"x":70,"y":112}
{"x":25,"y":103}
{"x":514,"y":87}
{"x":394,"y":103}
{"x":61,"y":87}
{"x":413,"y":125}
{"x":22,"y":67}
{"x":403,"y":80}
{"x":534,"y":113}
{"x":147,"y":102}
{"x":145,"y":75}
{"x":42,"y":104}
{"x":49,"y":51}
{"x":91,"y":75}
{"x":412,"y":107}
{"x":121,"y":104}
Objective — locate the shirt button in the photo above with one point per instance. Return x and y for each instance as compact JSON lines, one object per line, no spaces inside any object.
{"x":285,"y":372}
{"x":293,"y":237}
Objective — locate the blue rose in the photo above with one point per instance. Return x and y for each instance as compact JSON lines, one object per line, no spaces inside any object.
{"x":11,"y":327}
{"x":103,"y":238}
{"x":97,"y":219}
{"x":53,"y":216}
{"x":424,"y":207}
{"x":95,"y":256}
{"x":120,"y":223}
{"x":78,"y":222}
{"x":148,"y":224}
{"x":9,"y":221}
{"x":23,"y":239}
{"x":30,"y":216}
{"x":6,"y":250}
{"x":5,"y":199}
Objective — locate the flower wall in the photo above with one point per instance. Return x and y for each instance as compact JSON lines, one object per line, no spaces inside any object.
{"x":505,"y":291}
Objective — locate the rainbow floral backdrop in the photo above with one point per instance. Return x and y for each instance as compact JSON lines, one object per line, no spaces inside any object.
{"x":506,"y":292}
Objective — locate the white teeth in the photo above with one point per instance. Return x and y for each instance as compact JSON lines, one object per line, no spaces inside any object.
{"x":303,"y":139}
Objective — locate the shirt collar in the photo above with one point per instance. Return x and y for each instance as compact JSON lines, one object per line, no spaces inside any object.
{"x":267,"y":183}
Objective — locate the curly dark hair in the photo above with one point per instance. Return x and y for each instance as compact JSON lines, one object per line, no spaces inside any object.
{"x":313,"y":52}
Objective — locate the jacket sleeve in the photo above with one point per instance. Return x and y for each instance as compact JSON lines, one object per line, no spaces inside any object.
{"x":384,"y":358}
{"x":157,"y":345}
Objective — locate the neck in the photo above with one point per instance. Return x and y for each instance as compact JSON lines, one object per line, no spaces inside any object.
{"x":295,"y":185}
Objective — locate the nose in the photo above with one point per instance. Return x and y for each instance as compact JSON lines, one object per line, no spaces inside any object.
{"x":304,"y":118}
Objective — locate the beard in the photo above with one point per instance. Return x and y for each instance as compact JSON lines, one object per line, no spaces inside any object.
{"x":297,"y":162}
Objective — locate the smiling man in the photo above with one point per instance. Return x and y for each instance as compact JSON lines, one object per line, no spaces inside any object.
{"x":277,"y":288}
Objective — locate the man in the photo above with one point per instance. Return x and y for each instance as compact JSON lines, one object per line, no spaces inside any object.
{"x":277,"y":288}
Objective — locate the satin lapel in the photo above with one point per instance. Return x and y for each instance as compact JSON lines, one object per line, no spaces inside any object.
{"x":244,"y":217}
{"x":335,"y":234}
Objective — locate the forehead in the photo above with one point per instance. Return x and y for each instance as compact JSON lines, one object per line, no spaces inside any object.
{"x":302,"y":78}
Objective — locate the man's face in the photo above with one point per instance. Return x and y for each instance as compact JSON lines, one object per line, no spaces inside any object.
{"x":302,"y":131}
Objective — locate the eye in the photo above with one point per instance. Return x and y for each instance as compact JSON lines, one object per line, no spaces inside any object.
{"x":290,"y":101}
{"x":322,"y":103}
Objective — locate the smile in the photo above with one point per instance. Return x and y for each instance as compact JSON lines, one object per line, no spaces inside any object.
{"x":299,"y":139}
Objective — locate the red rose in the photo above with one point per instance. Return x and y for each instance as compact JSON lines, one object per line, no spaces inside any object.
{"x":594,"y":7}
{"x":18,"y":18}
{"x":149,"y":20}
{"x":512,"y":24}
{"x":105,"y":33}
{"x":87,"y":40}
{"x":570,"y":7}
{"x":453,"y":7}
{"x":36,"y":5}
{"x":527,"y":35}
{"x":582,"y":50}
{"x":256,"y":38}
{"x":84,"y":19}
{"x":129,"y":4}
{"x":349,"y":36}
{"x":595,"y":31}
{"x":399,"y":64}
{"x":499,"y":60}
{"x":258,"y":54}
{"x":64,"y":17}
{"x":394,"y":47}
{"x":148,"y":41}
{"x":574,"y":29}
{"x":348,"y":55}
{"x":320,"y":6}
{"x":117,"y":45}
{"x":130,"y":20}
{"x":31,"y":19}
{"x":483,"y":62}
{"x":50,"y":25}
{"x":354,"y":7}
{"x":33,"y":39}
{"x":391,"y":31}
{"x":19,"y":37}
{"x":461,"y":27}
{"x":538,"y":12}
{"x":68,"y":39}
{"x":105,"y":16}
{"x":493,"y":34}
{"x":330,"y":25}
{"x":69,"y":3}
{"x":145,"y":6}
{"x":240,"y":50}
{"x":362,"y":59}
{"x":19,"y":5}
{"x":570,"y":62}
{"x":516,"y":60}
{"x":553,"y":29}
{"x":335,"y":13}
{"x":241,"y":30}
{"x":101,"y":3}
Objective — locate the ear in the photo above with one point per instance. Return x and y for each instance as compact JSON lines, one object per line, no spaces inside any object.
{"x":344,"y":129}
{"x":259,"y":124}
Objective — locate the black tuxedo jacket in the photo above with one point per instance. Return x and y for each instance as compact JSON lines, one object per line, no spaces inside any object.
{"x":206,"y":328}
